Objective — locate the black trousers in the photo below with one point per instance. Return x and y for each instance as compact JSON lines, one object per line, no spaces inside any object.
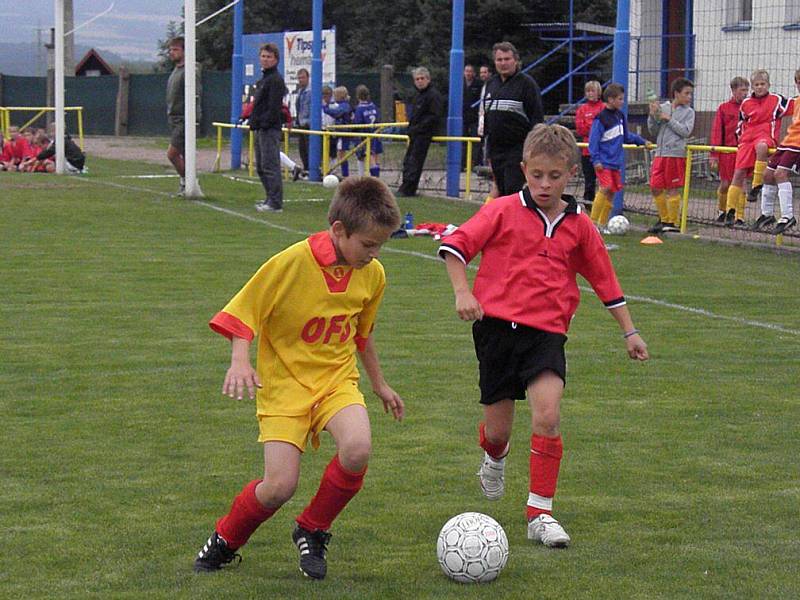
{"x":589,"y":179}
{"x":507,"y":170}
{"x":302,"y":145}
{"x":413,"y":162}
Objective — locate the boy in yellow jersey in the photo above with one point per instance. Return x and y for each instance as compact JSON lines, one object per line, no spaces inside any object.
{"x":313,"y":307}
{"x":784,"y":162}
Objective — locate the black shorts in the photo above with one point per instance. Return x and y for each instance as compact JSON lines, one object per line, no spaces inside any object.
{"x":510,"y":355}
{"x":177,"y":133}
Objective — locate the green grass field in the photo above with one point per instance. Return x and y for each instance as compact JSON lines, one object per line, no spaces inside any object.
{"x":679,"y":477}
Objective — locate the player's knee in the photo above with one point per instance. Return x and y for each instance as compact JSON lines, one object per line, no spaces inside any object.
{"x":354,"y":453}
{"x":277,"y":490}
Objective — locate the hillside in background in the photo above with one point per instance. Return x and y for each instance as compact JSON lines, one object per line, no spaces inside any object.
{"x":25,"y":58}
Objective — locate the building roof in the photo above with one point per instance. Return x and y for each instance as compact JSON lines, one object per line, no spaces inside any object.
{"x":93,"y":61}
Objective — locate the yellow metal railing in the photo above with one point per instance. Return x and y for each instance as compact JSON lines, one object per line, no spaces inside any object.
{"x":326,"y":167}
{"x":5,"y":117}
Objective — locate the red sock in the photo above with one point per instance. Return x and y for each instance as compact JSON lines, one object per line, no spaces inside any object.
{"x":337,"y":487}
{"x":246,"y":514}
{"x":545,"y":460}
{"x":496,"y":451}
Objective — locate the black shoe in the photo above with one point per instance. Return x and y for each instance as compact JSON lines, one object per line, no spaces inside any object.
{"x":752,"y":195}
{"x":721,"y":217}
{"x":730,"y":217}
{"x":296,"y":172}
{"x":658,"y":227}
{"x":669,"y":228}
{"x":214,"y":555}
{"x":739,"y":224}
{"x":313,"y":546}
{"x":785,"y":223}
{"x":404,"y":194}
{"x":763,"y":221}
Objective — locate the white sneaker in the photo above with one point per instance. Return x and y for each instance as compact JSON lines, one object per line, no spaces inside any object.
{"x":548,"y":531}
{"x":492,"y":476}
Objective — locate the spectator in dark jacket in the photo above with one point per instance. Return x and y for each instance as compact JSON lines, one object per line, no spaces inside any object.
{"x":266,"y":120}
{"x":512,"y":106}
{"x":426,"y":115}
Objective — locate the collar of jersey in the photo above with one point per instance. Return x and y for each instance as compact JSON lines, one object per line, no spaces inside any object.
{"x":322,"y":249}
{"x":528,"y":201}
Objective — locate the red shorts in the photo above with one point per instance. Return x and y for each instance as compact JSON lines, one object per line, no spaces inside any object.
{"x":785,"y":158}
{"x":746,"y":155}
{"x":609,"y":179}
{"x":668,"y":173}
{"x":727,"y":165}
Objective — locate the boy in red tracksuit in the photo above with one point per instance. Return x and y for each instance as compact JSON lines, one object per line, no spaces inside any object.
{"x":6,"y":154}
{"x":723,"y":133}
{"x":533,"y":244}
{"x":759,"y":129}
{"x":584,"y":117}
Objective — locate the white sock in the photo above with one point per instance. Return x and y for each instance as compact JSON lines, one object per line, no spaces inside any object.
{"x":785,"y":197}
{"x":287,"y":162}
{"x":360,"y":168}
{"x":768,"y":194}
{"x":183,"y":181}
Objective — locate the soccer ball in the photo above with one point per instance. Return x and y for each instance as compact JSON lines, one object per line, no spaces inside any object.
{"x":330,"y":181}
{"x":618,"y":225}
{"x":472,"y":548}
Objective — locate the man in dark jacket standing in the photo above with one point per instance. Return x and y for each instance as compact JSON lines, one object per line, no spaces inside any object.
{"x":512,"y":106}
{"x":266,"y":120}
{"x":426,"y":115}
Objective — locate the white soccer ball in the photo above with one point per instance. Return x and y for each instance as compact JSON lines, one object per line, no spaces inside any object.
{"x":472,"y":548}
{"x":618,"y":225}
{"x":330,"y":181}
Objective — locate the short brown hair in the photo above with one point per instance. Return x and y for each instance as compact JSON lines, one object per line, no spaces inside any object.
{"x":505,"y":47}
{"x":362,"y":92}
{"x":176,"y":41}
{"x":613,"y":90}
{"x":271,"y":48}
{"x":678,"y":85}
{"x":363,"y":202}
{"x":551,"y":140}
{"x":739,"y":82}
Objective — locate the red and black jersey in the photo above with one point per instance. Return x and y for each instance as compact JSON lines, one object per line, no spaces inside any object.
{"x":760,"y":118}
{"x":529,"y":264}
{"x":723,"y":130}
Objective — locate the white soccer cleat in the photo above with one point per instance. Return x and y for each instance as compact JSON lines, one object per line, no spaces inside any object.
{"x":548,"y":531}
{"x":492,"y":476}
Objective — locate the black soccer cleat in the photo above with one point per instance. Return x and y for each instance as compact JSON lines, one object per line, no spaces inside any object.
{"x":785,"y":223}
{"x":763,"y":221}
{"x":739,"y":224}
{"x":721,"y":217}
{"x":657,"y":227}
{"x":669,"y":228}
{"x":752,"y":195}
{"x":215,"y":555}
{"x":313,"y":547}
{"x":730,"y":217}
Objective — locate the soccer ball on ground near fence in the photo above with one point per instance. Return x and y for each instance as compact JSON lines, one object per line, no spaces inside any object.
{"x":330,"y":181}
{"x":618,"y":225}
{"x":472,"y":548}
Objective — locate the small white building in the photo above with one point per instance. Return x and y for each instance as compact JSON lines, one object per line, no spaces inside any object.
{"x":710,"y":42}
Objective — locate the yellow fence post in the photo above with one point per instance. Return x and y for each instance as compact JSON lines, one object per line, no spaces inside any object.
{"x":467,"y":190}
{"x":286,"y":151}
{"x":686,"y":184}
{"x":218,"y":159}
{"x":80,"y":125}
{"x":326,"y":155}
{"x":368,"y":156}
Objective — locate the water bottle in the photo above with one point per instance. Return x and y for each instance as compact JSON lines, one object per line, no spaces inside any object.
{"x":408,"y":222}
{"x":651,"y":95}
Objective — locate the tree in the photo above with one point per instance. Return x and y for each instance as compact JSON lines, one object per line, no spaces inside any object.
{"x":164,"y":64}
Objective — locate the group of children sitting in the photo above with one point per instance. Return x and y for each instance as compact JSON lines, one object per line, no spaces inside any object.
{"x":34,"y":151}
{"x":751,"y":122}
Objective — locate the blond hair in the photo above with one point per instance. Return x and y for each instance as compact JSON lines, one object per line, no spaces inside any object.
{"x":593,"y":85}
{"x":553,"y":141}
{"x":364,"y":202}
{"x":759,"y":74}
{"x":340,"y":93}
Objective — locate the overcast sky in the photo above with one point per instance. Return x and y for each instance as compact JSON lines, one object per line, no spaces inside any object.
{"x":132,"y":28}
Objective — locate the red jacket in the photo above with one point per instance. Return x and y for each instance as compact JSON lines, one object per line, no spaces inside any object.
{"x":23,"y":150}
{"x":583,"y":120}
{"x":7,"y":152}
{"x":760,"y":118}
{"x":723,"y":129}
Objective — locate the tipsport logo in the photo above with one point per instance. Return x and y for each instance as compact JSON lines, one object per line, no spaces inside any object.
{"x":300,"y":45}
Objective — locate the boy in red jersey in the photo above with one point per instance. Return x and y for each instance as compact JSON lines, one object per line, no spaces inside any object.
{"x":6,"y":153}
{"x":723,"y":133}
{"x":759,"y":127}
{"x":532,"y":244}
{"x":784,"y":162}
{"x":584,"y":117}
{"x":313,"y":305}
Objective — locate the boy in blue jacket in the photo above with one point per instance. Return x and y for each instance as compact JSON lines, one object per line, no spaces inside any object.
{"x":609,"y":132}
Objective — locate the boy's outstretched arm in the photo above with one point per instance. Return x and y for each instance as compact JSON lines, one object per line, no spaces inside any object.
{"x":391,"y":399}
{"x":241,"y":374}
{"x":637,"y":349}
{"x":467,"y":306}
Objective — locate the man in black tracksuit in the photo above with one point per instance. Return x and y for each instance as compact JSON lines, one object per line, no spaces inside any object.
{"x":426,"y":115}
{"x":266,"y":120}
{"x":512,"y":106}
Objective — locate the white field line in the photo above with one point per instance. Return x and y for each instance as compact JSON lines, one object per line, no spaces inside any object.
{"x":644,"y":299}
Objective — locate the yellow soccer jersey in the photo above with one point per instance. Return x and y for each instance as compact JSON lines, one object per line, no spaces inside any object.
{"x":310,"y":316}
